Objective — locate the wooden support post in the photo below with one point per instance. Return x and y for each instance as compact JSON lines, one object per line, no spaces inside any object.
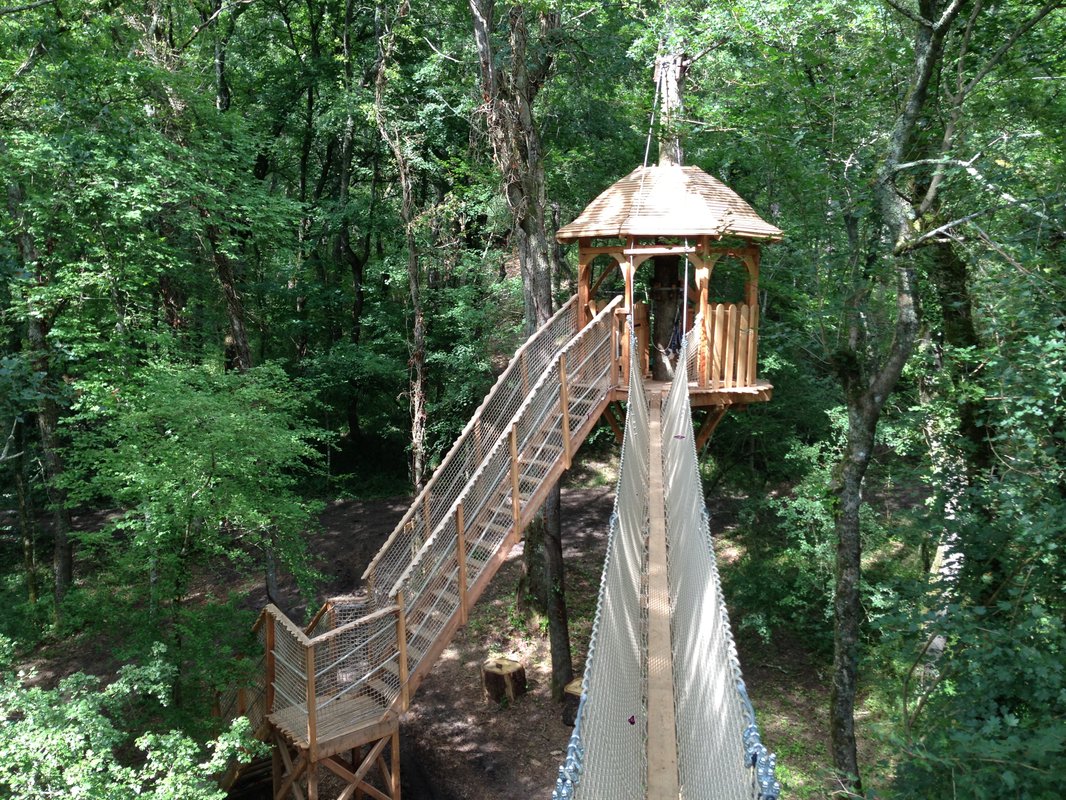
{"x":312,"y":722}
{"x":703,"y":280}
{"x":401,"y":641}
{"x":731,"y":346}
{"x":584,"y":279}
{"x":516,"y":498}
{"x":460,"y":554}
{"x":718,"y":350}
{"x":564,"y":407}
{"x":715,"y":415}
{"x":394,"y":784}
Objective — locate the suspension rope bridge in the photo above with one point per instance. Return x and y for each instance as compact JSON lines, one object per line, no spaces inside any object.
{"x":663,"y":711}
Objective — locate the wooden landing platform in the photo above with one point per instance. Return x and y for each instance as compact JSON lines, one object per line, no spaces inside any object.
{"x":340,"y":726}
{"x":701,"y":397}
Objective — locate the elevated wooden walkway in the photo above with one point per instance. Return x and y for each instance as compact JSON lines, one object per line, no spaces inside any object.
{"x":330,"y":695}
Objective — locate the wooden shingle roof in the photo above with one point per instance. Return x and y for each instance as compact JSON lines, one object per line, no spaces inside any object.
{"x":668,"y":201}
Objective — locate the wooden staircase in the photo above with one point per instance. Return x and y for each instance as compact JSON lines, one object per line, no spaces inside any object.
{"x":330,"y":695}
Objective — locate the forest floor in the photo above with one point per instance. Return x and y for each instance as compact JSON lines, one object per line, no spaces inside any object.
{"x":459,"y":746}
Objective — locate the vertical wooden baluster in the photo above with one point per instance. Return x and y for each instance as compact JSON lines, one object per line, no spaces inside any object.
{"x":401,"y":641}
{"x":312,"y":722}
{"x":564,"y":403}
{"x":742,"y":346}
{"x":753,"y":347}
{"x":718,"y":368}
{"x":516,"y":498}
{"x":460,"y":554}
{"x":731,"y":346}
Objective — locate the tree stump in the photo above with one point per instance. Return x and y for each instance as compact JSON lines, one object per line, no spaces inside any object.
{"x":571,"y":701}
{"x":503,"y":678}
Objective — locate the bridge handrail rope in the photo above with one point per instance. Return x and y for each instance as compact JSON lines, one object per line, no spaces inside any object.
{"x":607,"y":752}
{"x":719,"y":751}
{"x":469,"y":450}
{"x":497,"y":497}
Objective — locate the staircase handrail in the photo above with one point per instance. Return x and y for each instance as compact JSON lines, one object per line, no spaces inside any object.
{"x":420,"y":499}
{"x":427,"y":546}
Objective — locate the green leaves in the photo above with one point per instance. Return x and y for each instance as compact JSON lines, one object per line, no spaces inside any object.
{"x":71,"y":741}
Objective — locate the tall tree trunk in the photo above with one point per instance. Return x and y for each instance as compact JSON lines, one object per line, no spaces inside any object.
{"x":38,"y":325}
{"x":27,"y":526}
{"x":670,"y":73}
{"x":509,"y":95}
{"x":868,"y":381}
{"x":397,"y":142}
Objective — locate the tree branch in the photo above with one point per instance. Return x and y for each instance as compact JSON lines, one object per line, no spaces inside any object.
{"x":948,"y":17}
{"x":36,"y":52}
{"x":917,"y":18}
{"x":1020,"y":31}
{"x":26,"y":7}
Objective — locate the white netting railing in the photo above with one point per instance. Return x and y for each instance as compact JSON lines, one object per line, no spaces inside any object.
{"x":478,"y":438}
{"x":607,"y":753}
{"x":719,"y":752}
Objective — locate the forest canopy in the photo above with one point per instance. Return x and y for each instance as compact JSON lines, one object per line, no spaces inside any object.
{"x":256,"y":255}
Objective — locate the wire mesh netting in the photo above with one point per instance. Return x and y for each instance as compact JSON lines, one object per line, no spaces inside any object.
{"x":478,"y":438}
{"x":607,"y":754}
{"x":719,"y":755}
{"x":526,"y":453}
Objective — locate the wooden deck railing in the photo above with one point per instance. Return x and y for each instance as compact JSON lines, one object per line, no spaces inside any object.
{"x":318,"y":688}
{"x":728,"y":346}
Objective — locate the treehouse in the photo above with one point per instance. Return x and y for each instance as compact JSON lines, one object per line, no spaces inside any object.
{"x":703,"y":241}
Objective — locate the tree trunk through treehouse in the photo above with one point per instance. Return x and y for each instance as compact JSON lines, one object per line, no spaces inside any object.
{"x":670,"y":77}
{"x":665,"y":311}
{"x":511,"y":76}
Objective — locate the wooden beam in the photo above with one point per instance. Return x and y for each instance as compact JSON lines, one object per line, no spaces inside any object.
{"x":662,"y":730}
{"x":613,"y":422}
{"x":460,"y":552}
{"x":564,"y":406}
{"x":394,"y":784}
{"x":715,"y":414}
{"x":401,"y":641}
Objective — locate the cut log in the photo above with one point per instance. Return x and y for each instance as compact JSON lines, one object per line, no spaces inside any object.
{"x":571,"y":701}
{"x":503,"y":678}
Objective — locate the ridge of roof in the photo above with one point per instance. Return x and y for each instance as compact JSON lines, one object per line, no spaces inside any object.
{"x":668,"y":201}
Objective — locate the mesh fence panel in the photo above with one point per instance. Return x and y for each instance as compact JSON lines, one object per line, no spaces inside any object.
{"x":290,"y":676}
{"x":719,"y":755}
{"x":607,"y":754}
{"x":489,"y":422}
{"x":353,"y":681}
